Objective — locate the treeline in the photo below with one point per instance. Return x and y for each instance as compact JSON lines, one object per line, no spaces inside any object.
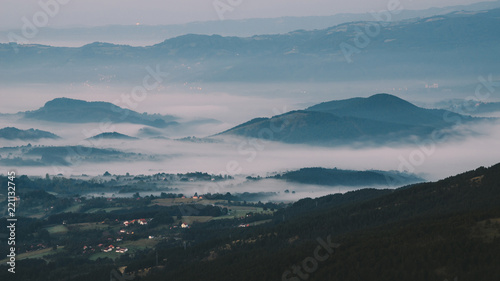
{"x":134,"y":213}
{"x":55,"y":184}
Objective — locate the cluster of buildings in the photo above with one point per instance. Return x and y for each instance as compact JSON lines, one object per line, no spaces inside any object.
{"x":117,"y":249}
{"x":139,"y":221}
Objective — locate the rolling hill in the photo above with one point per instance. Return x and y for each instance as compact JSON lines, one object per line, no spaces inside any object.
{"x":65,"y":110}
{"x":381,"y":118}
{"x":387,"y":108}
{"x":338,"y":177}
{"x":113,"y":136}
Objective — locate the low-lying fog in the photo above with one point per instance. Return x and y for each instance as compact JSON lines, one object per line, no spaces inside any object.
{"x":233,"y":104}
{"x":271,"y":189}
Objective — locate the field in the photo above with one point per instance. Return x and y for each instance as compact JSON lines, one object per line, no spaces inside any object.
{"x":57,"y":229}
{"x":178,"y":201}
{"x":132,"y":246}
{"x":191,"y":219}
{"x":36,"y":254}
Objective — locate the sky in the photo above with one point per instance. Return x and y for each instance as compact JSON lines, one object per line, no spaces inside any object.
{"x":70,"y":13}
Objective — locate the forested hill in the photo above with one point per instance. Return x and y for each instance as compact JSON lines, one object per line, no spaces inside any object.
{"x":432,"y":231}
{"x":338,"y":177}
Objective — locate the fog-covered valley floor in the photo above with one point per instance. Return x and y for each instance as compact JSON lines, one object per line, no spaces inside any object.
{"x":227,"y":105}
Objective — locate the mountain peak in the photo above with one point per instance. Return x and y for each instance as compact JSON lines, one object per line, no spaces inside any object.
{"x":381,"y":107}
{"x":112,"y":135}
{"x":388,"y":99}
{"x":57,"y":102}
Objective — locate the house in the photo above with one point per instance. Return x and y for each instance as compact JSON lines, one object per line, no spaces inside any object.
{"x":121,"y":251}
{"x":143,"y":221}
{"x":184,"y":225}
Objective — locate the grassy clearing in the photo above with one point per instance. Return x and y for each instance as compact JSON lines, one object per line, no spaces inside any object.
{"x":487,"y":230}
{"x":112,"y":255}
{"x":36,"y":254}
{"x":132,"y":246}
{"x":74,"y":209}
{"x":88,"y":226}
{"x":139,"y":244}
{"x":95,"y":210}
{"x":191,"y":219}
{"x":57,"y":229}
{"x":167,"y":202}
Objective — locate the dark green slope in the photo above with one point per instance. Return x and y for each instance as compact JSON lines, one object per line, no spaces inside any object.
{"x":431,"y":231}
{"x":320,"y":128}
{"x":379,"y":119}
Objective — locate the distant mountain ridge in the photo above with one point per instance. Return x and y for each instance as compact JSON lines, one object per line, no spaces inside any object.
{"x":12,"y":133}
{"x":459,"y":44}
{"x":67,"y":110}
{"x":379,"y":119}
{"x":144,"y":34}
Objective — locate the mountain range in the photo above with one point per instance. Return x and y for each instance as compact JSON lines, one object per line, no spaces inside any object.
{"x":458,"y":44}
{"x":149,"y":34}
{"x":381,"y":118}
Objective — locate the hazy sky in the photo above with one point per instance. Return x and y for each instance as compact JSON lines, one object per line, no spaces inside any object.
{"x":153,"y":12}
